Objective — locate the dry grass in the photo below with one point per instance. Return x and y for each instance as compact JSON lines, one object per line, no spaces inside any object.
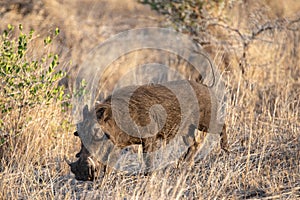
{"x":263,"y":120}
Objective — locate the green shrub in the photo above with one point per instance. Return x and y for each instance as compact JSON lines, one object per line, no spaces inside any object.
{"x":26,"y":82}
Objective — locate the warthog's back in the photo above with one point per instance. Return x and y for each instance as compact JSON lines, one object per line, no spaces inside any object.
{"x":167,"y":105}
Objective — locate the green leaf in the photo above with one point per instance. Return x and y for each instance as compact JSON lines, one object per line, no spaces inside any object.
{"x":5,"y":33}
{"x":47,"y":40}
{"x":31,"y":33}
{"x":57,"y":31}
{"x":10,"y":27}
{"x":20,"y":27}
{"x":2,"y":141}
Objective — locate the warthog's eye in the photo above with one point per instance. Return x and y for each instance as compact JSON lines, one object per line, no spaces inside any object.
{"x":103,"y":111}
{"x":100,"y":112}
{"x":108,"y":136}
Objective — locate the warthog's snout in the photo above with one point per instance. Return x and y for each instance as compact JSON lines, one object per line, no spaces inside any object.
{"x":85,"y":167}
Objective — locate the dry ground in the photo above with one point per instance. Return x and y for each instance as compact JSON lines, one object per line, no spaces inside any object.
{"x":263,"y":114}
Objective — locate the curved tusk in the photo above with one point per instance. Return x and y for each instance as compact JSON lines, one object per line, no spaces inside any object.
{"x":92,"y":161}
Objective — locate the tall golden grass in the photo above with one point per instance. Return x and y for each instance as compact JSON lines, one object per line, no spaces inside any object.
{"x":263,"y":123}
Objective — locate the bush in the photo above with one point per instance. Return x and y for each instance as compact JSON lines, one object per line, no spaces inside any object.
{"x":26,"y":84}
{"x":185,"y":16}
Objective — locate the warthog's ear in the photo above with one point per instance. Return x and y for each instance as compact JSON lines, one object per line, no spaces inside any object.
{"x":103,"y":111}
{"x":85,"y":110}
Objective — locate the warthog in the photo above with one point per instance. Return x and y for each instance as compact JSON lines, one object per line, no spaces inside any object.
{"x":139,"y":101}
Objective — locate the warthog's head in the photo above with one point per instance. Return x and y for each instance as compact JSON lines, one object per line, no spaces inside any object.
{"x":86,"y":168}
